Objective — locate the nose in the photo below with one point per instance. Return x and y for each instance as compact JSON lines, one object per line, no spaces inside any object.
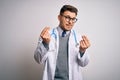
{"x":70,"y":21}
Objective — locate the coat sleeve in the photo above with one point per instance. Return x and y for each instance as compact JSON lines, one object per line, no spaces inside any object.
{"x":83,"y":60}
{"x":40,"y":52}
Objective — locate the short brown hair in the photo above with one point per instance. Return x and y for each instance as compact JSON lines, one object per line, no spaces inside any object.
{"x":68,"y":8}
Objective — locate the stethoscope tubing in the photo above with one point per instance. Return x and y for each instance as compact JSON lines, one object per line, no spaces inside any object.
{"x":75,"y":38}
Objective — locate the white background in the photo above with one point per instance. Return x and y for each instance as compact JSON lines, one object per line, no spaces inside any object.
{"x":21,"y":22}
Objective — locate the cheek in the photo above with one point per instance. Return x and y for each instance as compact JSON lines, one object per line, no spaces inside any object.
{"x":63,"y":23}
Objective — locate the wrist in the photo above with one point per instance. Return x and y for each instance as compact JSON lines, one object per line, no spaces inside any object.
{"x":46,"y":45}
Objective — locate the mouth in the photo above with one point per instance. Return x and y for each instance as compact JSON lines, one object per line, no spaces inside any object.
{"x":68,"y":25}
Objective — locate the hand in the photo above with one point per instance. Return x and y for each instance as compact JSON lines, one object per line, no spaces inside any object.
{"x":84,"y":44}
{"x":45,"y":35}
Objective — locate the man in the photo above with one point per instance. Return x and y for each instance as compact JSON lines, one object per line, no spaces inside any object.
{"x":59,"y":50}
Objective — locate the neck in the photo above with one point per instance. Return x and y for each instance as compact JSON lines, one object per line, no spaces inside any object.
{"x":62,"y":28}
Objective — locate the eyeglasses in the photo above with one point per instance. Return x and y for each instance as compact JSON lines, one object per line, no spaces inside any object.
{"x":68,"y":18}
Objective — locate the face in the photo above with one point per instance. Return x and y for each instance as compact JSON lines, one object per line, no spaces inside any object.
{"x":67,"y":20}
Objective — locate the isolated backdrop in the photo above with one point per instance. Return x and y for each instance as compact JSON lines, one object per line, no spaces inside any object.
{"x":21,"y":22}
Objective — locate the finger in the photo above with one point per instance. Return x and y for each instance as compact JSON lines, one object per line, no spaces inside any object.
{"x":46,"y":29}
{"x":85,"y":38}
{"x":46,"y":35}
{"x":46,"y":38}
{"x":43,"y":31}
{"x":82,"y":44}
{"x":86,"y":41}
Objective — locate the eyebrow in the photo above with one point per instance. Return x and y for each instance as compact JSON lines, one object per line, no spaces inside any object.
{"x":69,"y":16}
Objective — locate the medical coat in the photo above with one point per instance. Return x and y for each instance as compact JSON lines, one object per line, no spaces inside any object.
{"x":49,"y":57}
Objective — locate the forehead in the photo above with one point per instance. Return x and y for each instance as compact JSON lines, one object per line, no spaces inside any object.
{"x":68,"y":13}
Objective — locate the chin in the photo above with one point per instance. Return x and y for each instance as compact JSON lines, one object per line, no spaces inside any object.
{"x":68,"y":28}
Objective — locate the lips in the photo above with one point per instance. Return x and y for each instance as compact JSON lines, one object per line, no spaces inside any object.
{"x":68,"y":25}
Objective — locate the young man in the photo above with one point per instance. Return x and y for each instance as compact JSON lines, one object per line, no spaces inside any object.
{"x":59,"y":50}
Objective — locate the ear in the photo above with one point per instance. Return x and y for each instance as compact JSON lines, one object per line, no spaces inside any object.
{"x":59,"y":16}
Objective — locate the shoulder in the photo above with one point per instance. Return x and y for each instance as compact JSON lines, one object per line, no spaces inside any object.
{"x":53,"y":30}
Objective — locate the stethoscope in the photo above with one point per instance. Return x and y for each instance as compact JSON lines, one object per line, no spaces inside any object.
{"x":75,"y":38}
